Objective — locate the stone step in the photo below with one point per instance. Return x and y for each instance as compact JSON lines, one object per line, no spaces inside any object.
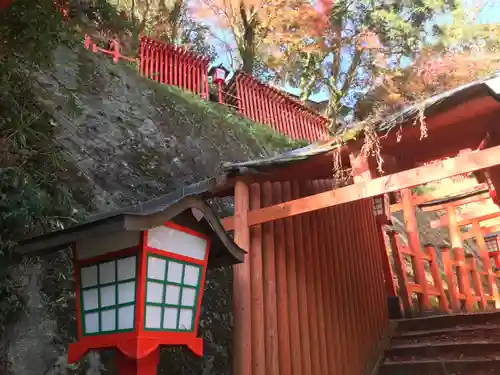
{"x":483,"y":332}
{"x":444,"y":350}
{"x":477,"y":366}
{"x":447,"y":321}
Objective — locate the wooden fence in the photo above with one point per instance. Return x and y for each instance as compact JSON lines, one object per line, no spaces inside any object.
{"x":286,"y":115}
{"x":174,"y":66}
{"x":463,"y":286}
{"x":311,"y":296}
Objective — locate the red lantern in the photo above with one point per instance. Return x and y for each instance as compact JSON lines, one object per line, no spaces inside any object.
{"x":140,"y":278}
{"x":218,"y":74}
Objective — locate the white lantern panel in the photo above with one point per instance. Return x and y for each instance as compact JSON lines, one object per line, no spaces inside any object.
{"x":108,"y":296}
{"x":126,"y":268}
{"x":91,"y":322}
{"x":154,"y":292}
{"x":126,"y":292}
{"x":108,"y":320}
{"x":186,"y":319}
{"x":188,"y":296}
{"x":153,"y":317}
{"x":90,"y":299}
{"x":172,"y":294}
{"x":177,"y":242}
{"x":191,"y":275}
{"x":170,"y":318}
{"x":126,"y":317}
{"x":156,"y":268}
{"x":88,"y":276}
{"x":174,"y":273}
{"x":107,"y":272}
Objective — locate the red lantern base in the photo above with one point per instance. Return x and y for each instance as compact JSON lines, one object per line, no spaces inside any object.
{"x":137,"y":355}
{"x":141,"y":366}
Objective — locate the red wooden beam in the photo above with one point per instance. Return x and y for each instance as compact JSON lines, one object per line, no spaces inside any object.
{"x":367,"y":189}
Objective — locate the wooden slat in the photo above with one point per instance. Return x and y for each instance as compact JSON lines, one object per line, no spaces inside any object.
{"x":341,"y":287}
{"x":325,"y":283}
{"x":281,"y":288}
{"x":336,"y":342}
{"x":303,"y":310}
{"x":316,"y":277}
{"x":291,"y":277}
{"x":367,"y":189}
{"x":242,"y":361}
{"x":311,"y":293}
{"x":271,"y":315}
{"x":257,"y":284}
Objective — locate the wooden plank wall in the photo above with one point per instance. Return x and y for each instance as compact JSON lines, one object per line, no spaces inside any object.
{"x":316,"y":296}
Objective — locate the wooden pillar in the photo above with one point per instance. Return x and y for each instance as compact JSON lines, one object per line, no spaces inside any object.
{"x":485,"y":259}
{"x":438,"y":281}
{"x":462,"y":269}
{"x":401,"y":274}
{"x":242,"y":329}
{"x":448,"y":271}
{"x":414,"y":244}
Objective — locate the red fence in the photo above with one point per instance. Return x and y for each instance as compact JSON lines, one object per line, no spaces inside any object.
{"x":267,"y":105}
{"x":174,"y":66}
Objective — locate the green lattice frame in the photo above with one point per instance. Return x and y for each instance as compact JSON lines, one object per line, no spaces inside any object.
{"x":116,"y":306}
{"x":178,"y":306}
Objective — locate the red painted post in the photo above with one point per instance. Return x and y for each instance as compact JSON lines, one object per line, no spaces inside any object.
{"x":259,"y":102}
{"x":170,"y":64}
{"x":244,"y":92}
{"x":185,"y":65}
{"x":190,"y":73}
{"x":205,"y":72}
{"x":196,"y":70}
{"x":87,"y":41}
{"x":147,"y":48}
{"x":175,"y":65}
{"x":296,"y":122}
{"x":273,"y":100}
{"x":162,"y":64}
{"x":238,"y":90}
{"x":141,"y":57}
{"x":264,"y":90}
{"x":182,"y":69}
{"x":152,"y":51}
{"x":248,"y":86}
{"x":157,"y":62}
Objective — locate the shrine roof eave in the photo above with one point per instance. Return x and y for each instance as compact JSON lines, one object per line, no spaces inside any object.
{"x":184,"y":206}
{"x":443,"y":102}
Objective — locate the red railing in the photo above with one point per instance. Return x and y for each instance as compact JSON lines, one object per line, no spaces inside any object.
{"x":173,"y":65}
{"x":262,"y":103}
{"x":114,"y":49}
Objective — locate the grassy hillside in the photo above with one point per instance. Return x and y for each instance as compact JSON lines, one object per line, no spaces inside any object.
{"x":80,"y":134}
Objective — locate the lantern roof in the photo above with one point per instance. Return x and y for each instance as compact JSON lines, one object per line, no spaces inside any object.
{"x":180,"y":207}
{"x":220,"y":66}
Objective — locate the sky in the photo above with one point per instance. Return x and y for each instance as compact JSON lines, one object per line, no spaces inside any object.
{"x":490,"y":14}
